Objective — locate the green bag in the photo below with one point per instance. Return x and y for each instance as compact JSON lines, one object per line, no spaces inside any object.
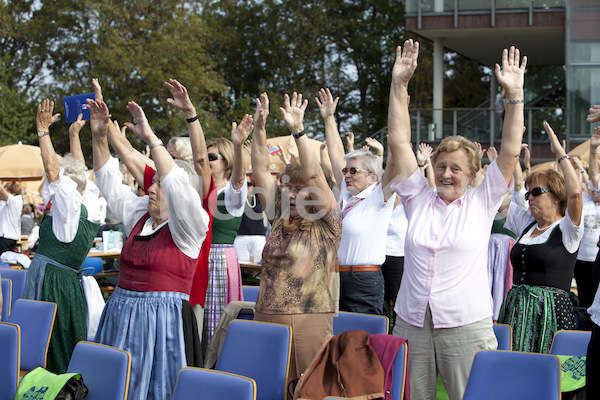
{"x":40,"y":384}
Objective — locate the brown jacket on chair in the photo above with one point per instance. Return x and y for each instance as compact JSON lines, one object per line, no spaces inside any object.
{"x":346,"y":366}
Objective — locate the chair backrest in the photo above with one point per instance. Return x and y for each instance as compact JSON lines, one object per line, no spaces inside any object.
{"x":570,"y":343}
{"x":498,"y":374}
{"x":92,"y":265}
{"x":260,"y":351}
{"x":105,"y":370}
{"x":350,"y":321}
{"x":208,"y":384}
{"x":6,"y":298}
{"x":250,"y":292}
{"x":17,"y":276}
{"x":36,"y":319}
{"x":503,"y":334}
{"x":10,"y":359}
{"x":400,"y":369}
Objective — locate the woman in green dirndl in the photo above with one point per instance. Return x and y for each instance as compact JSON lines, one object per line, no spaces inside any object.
{"x":66,"y":236}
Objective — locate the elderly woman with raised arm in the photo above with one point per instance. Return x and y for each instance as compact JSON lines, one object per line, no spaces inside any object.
{"x":299,"y":282}
{"x":66,"y":237}
{"x":444,"y":306}
{"x":149,"y":314}
{"x":367,"y":204}
{"x":544,"y":256}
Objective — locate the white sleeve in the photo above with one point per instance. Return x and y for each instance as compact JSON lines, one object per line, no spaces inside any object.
{"x":517,"y":219}
{"x":125,"y":205}
{"x":235,"y":200}
{"x":66,"y":207}
{"x":571,"y":234}
{"x":518,"y":197}
{"x":188,"y":221}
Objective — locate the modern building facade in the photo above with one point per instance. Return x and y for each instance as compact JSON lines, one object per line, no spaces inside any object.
{"x":550,"y":32}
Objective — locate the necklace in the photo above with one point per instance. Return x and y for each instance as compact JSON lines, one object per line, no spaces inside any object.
{"x":543,"y":229}
{"x":253,"y":204}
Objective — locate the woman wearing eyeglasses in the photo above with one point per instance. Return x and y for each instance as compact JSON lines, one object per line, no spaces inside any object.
{"x":225,"y":159}
{"x":299,"y":283}
{"x":544,"y":257}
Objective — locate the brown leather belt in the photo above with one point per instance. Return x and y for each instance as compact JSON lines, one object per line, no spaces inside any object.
{"x":359,"y":268}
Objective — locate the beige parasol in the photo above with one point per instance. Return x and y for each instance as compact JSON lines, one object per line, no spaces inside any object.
{"x":21,"y":162}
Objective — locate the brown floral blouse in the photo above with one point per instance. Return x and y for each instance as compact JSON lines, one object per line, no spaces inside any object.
{"x":299,"y":264}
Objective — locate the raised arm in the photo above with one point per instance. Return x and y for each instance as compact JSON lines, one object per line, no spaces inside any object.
{"x":293,"y":116}
{"x":350,"y":142}
{"x":99,"y":124}
{"x":375,"y":145}
{"x":239,"y":133}
{"x":265,"y":184}
{"x":181,"y":100}
{"x":572,"y":185}
{"x":512,"y":78}
{"x":162,"y":159}
{"x":327,"y":105}
{"x":398,"y":118}
{"x":43,"y":121}
{"x":594,"y":115}
{"x":593,"y":160}
{"x":518,"y":174}
{"x":424,"y":161}
{"x":74,"y":142}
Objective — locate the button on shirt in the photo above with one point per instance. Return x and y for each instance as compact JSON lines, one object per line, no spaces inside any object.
{"x":365,"y":227}
{"x":446,"y":251}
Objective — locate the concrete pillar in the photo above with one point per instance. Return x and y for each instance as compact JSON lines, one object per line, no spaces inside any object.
{"x":438,"y":86}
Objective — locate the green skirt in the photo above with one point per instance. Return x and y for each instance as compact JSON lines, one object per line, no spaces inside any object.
{"x":535,"y":313}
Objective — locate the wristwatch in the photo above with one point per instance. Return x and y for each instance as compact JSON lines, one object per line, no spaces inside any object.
{"x":42,"y":134}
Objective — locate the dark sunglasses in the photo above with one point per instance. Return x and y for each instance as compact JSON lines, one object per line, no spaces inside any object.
{"x":352,"y":170}
{"x":535,"y":192}
{"x":214,"y":157}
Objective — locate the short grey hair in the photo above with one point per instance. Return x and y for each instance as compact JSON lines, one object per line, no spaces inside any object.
{"x":370,"y":161}
{"x":193,"y":176}
{"x":76,"y":170}
{"x":183,"y":148}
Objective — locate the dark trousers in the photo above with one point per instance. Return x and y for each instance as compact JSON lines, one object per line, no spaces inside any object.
{"x":392,"y":270}
{"x":592,"y":365}
{"x":7,"y":245}
{"x":586,"y":284}
{"x":361,"y":292}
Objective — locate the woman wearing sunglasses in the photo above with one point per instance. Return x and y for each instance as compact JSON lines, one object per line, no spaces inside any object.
{"x":444,"y":306}
{"x":544,"y":257}
{"x":225,"y":159}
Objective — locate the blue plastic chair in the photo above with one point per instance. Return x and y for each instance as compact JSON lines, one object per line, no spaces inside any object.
{"x":208,"y":384}
{"x":105,"y":370}
{"x":570,"y":343}
{"x":503,"y":334}
{"x":250,"y":292}
{"x":500,"y":375}
{"x":6,"y":298}
{"x":17,"y":276}
{"x":36,"y":320}
{"x":350,"y":321}
{"x":261,"y":351}
{"x":10,"y":348}
{"x":92,"y":265}
{"x":400,"y":365}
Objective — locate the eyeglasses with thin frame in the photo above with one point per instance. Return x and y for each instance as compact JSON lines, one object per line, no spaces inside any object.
{"x":352,"y":170}
{"x":535,"y":192}
{"x":214,"y":156}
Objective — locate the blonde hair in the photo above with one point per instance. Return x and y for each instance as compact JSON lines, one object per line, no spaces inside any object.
{"x":183,"y":148}
{"x":450,"y":144}
{"x":224,"y":148}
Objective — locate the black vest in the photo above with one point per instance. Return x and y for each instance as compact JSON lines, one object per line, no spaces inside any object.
{"x":546,"y":264}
